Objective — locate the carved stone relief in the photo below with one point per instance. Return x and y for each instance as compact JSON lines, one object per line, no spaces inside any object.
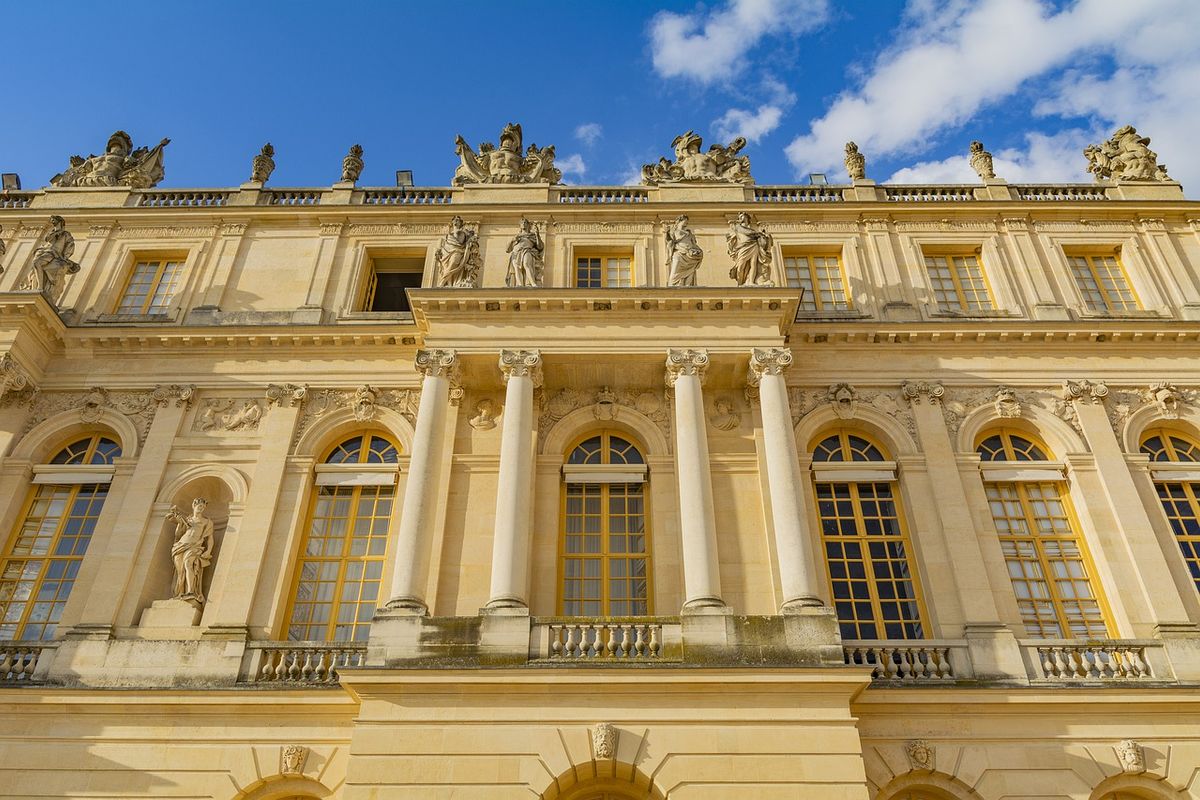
{"x":845,"y":400}
{"x":606,"y":404}
{"x":920,"y":755}
{"x":138,"y":406}
{"x":1132,"y":756}
{"x":484,"y":418}
{"x":364,"y":402}
{"x":725,"y":415}
{"x":292,"y":758}
{"x":228,"y":414}
{"x":604,"y":740}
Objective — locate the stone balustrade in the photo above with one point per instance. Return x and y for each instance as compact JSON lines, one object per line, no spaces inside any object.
{"x":929,"y":194}
{"x":293,"y":197}
{"x":16,"y":199}
{"x":403,"y":196}
{"x":199,"y":198}
{"x":911,"y":662}
{"x":602,"y":194}
{"x":19,"y":660}
{"x":621,"y":640}
{"x":798,"y":194}
{"x":300,"y":662}
{"x":1070,"y":660}
{"x":1061,"y":192}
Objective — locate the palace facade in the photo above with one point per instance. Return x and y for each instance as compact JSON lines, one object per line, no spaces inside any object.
{"x":696,"y":489}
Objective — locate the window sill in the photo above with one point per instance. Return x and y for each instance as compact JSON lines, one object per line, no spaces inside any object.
{"x":994,"y":313}
{"x":1139,"y":314}
{"x":133,"y":318}
{"x":849,"y":313}
{"x":376,"y":316}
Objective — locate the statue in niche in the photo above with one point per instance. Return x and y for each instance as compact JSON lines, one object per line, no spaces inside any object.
{"x":192,"y":551}
{"x":750,"y":249}
{"x":352,"y":164}
{"x":526,"y":256}
{"x":458,"y":257}
{"x":720,"y":164}
{"x":981,"y":161}
{"x":52,"y":262}
{"x":505,"y":164}
{"x":120,"y":165}
{"x":263,"y":164}
{"x":856,"y":163}
{"x":683,"y":254}
{"x":1126,"y":156}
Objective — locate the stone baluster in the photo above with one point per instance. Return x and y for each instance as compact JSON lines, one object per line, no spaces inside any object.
{"x":409,"y":572}
{"x":797,"y":573}
{"x":697,"y":517}
{"x":522,"y":371}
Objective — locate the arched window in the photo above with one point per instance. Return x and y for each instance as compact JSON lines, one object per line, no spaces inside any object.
{"x":43,"y":554}
{"x":345,"y":542}
{"x":604,"y":546}
{"x":1177,"y":482}
{"x":874,"y":590}
{"x":1048,"y":562}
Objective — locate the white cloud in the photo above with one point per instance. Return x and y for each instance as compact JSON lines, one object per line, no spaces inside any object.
{"x":572,"y":165}
{"x":752,"y":124}
{"x":589,"y":133}
{"x":952,"y":61}
{"x":712,"y":46}
{"x":1045,"y":158}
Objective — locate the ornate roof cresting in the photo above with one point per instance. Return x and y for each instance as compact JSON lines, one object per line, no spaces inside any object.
{"x":505,"y":164}
{"x":721,"y":164}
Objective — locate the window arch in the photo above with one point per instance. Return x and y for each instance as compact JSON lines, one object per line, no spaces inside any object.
{"x":1178,"y":493}
{"x":1048,"y":562}
{"x":42,"y":557}
{"x":875,"y":592}
{"x":604,"y":542}
{"x":344,"y":546}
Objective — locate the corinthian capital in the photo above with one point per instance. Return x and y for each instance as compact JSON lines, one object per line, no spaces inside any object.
{"x":521,"y":364}
{"x":1085,"y":391}
{"x":438,"y":363}
{"x":685,"y":362}
{"x":917,"y":392}
{"x":768,"y":361}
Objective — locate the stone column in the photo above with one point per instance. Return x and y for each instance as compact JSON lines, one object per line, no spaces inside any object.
{"x":797,"y":574}
{"x":411,"y":565}
{"x":697,"y":518}
{"x":514,"y":491}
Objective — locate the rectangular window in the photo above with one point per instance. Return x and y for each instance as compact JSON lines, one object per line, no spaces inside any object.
{"x":958,"y":283}
{"x":603,"y":270}
{"x":388,"y":279}
{"x":1103,"y":283}
{"x":152,"y":285}
{"x":821,"y":278}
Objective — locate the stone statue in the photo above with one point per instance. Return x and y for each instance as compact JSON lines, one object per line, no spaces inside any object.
{"x":1127,"y":157}
{"x":683,"y":254}
{"x":52,"y":261}
{"x":526,"y":256}
{"x":263,"y":164}
{"x":720,"y":164}
{"x":981,"y":161}
{"x":458,"y":257}
{"x":120,"y":165}
{"x":505,"y":164}
{"x":192,"y":551}
{"x":856,"y":163}
{"x":352,"y":164}
{"x":750,"y":249}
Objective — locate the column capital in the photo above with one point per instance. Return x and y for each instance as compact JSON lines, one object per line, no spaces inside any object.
{"x":685,"y":362}
{"x":291,"y":394}
{"x":182,"y":394}
{"x":521,"y":364}
{"x":1085,"y":391}
{"x":917,"y":392}
{"x":438,"y":363}
{"x":768,"y":361}
{"x":13,"y":377}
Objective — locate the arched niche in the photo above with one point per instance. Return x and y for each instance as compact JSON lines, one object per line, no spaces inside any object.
{"x":883,"y":428}
{"x":225,"y":490}
{"x":574,"y":426}
{"x":50,"y":434}
{"x":340,"y":424}
{"x":602,"y":780}
{"x":1037,"y":422}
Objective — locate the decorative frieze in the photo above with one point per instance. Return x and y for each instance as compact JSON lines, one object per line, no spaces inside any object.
{"x":606,"y":403}
{"x":393,"y":228}
{"x":363,"y":402}
{"x":603,"y":227}
{"x":165,"y":232}
{"x":845,"y":401}
{"x":228,"y":414}
{"x":138,"y":406}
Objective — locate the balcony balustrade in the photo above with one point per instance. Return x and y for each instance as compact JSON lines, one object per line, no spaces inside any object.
{"x":19,"y":660}
{"x":300,"y":662}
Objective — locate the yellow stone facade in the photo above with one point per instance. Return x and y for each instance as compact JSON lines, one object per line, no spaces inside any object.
{"x":230,"y":341}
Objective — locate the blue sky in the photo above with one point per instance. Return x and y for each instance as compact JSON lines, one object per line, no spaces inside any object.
{"x":608,"y":83}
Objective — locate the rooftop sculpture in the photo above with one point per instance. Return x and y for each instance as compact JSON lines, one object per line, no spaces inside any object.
{"x":856,"y":162}
{"x":981,"y":161}
{"x":721,"y":164}
{"x":120,"y":165}
{"x":263,"y":164}
{"x":1126,"y":156}
{"x":505,"y":164}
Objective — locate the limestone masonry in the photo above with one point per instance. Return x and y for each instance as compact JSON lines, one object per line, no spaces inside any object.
{"x":699,"y":489}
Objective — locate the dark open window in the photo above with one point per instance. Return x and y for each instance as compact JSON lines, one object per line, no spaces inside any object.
{"x":389,"y":278}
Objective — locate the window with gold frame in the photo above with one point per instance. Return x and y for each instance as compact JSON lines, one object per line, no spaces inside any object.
{"x":1180,"y":498}
{"x":343,"y":549}
{"x":1051,"y":571}
{"x":604,"y":541}
{"x":958,"y":282}
{"x":1103,"y":282}
{"x":42,"y":558}
{"x":151,"y":287}
{"x":822,"y":278}
{"x":875,"y":592}
{"x":603,"y":269}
